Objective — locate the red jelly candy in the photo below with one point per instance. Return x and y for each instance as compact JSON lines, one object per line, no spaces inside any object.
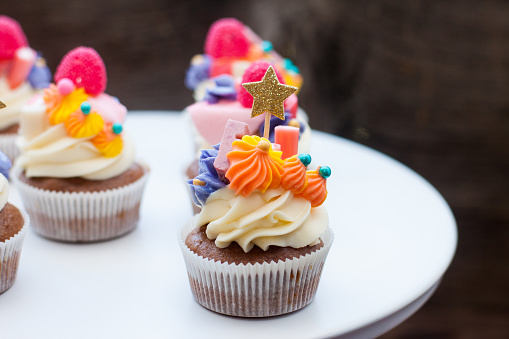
{"x":84,"y":66}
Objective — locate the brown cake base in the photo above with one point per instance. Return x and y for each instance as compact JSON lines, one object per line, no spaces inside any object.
{"x":11,"y":222}
{"x":247,"y":289}
{"x":12,"y":129}
{"x":132,"y":174}
{"x":11,"y":241}
{"x":199,"y":243}
{"x":80,"y":210}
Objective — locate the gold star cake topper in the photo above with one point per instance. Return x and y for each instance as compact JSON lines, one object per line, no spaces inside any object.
{"x":2,"y":105}
{"x":269,"y":94}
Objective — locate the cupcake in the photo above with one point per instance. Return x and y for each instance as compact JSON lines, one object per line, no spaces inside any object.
{"x":77,"y":172}
{"x":230,"y":48}
{"x":235,"y":55}
{"x":23,"y":73}
{"x":13,"y":226}
{"x":259,"y":245}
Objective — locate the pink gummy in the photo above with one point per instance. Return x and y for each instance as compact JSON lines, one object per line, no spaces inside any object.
{"x":232,"y":131}
{"x":84,"y":66}
{"x":254,"y":73}
{"x":12,"y":37}
{"x":226,"y":38}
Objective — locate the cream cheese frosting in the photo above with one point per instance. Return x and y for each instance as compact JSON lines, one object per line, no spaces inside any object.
{"x":14,"y":99}
{"x":276,"y":217}
{"x":48,"y":151}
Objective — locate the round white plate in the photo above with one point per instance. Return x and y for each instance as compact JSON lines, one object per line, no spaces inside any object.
{"x":394,"y":238}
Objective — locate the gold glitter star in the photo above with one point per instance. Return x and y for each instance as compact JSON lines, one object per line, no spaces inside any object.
{"x":269,"y":95}
{"x":2,"y":105}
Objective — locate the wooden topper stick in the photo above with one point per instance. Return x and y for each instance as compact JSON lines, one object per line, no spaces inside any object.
{"x":266,"y":129}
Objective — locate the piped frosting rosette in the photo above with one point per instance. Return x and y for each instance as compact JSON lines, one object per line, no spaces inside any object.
{"x":75,"y":130}
{"x":263,"y":201}
{"x":10,"y":249}
{"x":23,"y":73}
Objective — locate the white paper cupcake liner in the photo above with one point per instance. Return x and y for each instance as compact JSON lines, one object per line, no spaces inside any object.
{"x":82,"y":216}
{"x":10,"y":251}
{"x":259,"y":290}
{"x":8,"y":145}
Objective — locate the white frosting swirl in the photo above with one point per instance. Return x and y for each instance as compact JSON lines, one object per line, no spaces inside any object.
{"x":275,"y":217}
{"x":4,"y":191}
{"x":47,"y":151}
{"x":14,"y":99}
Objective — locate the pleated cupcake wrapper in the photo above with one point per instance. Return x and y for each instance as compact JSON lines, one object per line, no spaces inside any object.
{"x":10,"y":251}
{"x":258,"y":290}
{"x":82,"y":216}
{"x":8,"y":145}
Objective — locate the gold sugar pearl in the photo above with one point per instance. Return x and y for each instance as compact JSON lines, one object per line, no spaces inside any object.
{"x":264,"y":145}
{"x":294,"y":123}
{"x":198,"y":182}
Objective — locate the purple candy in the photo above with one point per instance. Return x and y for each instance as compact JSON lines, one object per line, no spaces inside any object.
{"x":207,"y":174}
{"x":40,"y":75}
{"x":224,"y":90}
{"x":5,"y":165}
{"x":197,"y":73}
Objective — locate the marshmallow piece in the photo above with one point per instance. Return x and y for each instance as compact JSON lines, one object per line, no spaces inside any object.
{"x":232,"y":131}
{"x":23,"y":61}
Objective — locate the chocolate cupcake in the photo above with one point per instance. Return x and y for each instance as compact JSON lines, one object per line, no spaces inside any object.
{"x":258,"y":246}
{"x":77,"y":173}
{"x":13,"y":226}
{"x":23,"y":74}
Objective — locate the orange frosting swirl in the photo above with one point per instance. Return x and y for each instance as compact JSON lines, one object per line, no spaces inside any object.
{"x":252,"y":167}
{"x":80,"y":125}
{"x":59,"y":107}
{"x":294,"y":176}
{"x":107,"y":142}
{"x":316,"y":190}
{"x":52,"y":99}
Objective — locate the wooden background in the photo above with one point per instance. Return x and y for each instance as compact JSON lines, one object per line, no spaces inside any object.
{"x":426,"y":82}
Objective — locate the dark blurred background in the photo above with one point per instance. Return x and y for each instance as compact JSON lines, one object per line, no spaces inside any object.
{"x":426,"y":82}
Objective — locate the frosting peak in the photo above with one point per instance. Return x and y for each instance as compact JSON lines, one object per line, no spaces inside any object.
{"x":268,"y":201}
{"x":253,"y":165}
{"x":276,"y":217}
{"x":50,"y":150}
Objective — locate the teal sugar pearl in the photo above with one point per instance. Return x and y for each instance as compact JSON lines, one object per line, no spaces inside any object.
{"x":267,"y":46}
{"x":305,"y":159}
{"x":324,"y":172}
{"x":85,"y":107}
{"x":117,"y":128}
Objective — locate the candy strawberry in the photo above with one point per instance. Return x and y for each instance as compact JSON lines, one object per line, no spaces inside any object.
{"x":85,"y":68}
